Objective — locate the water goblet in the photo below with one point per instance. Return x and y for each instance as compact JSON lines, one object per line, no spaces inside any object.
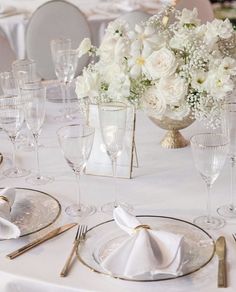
{"x":76,"y":144}
{"x":112,"y":117}
{"x":34,"y":97}
{"x":229,"y":129}
{"x":11,"y":121}
{"x":209,"y":153}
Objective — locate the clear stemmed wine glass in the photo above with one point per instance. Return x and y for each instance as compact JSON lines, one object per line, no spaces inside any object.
{"x":11,"y":121}
{"x":24,"y":71}
{"x":76,"y":144}
{"x":112,"y":117}
{"x":65,"y":61}
{"x":34,"y":97}
{"x":209,"y":153}
{"x":229,"y":129}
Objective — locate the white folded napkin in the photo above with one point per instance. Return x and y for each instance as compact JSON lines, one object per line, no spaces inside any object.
{"x":145,"y":252}
{"x":8,"y":230}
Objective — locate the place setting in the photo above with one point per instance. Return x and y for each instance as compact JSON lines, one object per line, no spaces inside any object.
{"x":115,"y":127}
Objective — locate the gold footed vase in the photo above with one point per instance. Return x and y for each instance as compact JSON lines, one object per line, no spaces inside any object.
{"x":173,"y":138}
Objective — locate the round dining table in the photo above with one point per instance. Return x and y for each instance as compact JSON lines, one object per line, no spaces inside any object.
{"x":165,"y":183}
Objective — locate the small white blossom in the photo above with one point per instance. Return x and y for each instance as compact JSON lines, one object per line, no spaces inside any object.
{"x":84,"y":47}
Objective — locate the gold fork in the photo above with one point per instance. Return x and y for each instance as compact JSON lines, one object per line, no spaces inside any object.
{"x":80,"y":234}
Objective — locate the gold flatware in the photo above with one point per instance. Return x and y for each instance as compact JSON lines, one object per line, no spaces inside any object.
{"x":40,"y":240}
{"x":221,"y":253}
{"x":80,"y":234}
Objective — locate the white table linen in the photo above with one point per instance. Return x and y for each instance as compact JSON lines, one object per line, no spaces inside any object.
{"x":166,"y":183}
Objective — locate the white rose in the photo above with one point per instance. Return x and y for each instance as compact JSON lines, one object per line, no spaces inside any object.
{"x":84,"y":47}
{"x":88,"y":84}
{"x":178,"y":112}
{"x":173,"y":89}
{"x":219,"y":84}
{"x":161,"y":63}
{"x":153,"y":104}
{"x":228,"y":66}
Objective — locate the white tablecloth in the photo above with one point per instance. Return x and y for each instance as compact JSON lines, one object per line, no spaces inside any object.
{"x":166,"y":183}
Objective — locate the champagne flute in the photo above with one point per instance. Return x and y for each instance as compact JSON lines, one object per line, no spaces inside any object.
{"x":11,"y":121}
{"x":209,"y":153}
{"x":229,"y":129}
{"x":112,"y":117}
{"x":34,"y":96}
{"x":76,"y":144}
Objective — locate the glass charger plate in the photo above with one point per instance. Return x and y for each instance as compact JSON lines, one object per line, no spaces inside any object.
{"x":103,"y":238}
{"x":34,"y":210}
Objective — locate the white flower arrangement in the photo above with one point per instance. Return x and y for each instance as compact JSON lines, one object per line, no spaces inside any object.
{"x":170,"y":66}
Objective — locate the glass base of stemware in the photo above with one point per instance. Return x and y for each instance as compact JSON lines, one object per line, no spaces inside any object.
{"x":15,"y":172}
{"x":109,"y":207}
{"x":212,"y":224}
{"x":39,"y":180}
{"x":76,"y":210}
{"x":227,"y":211}
{"x":65,"y":118}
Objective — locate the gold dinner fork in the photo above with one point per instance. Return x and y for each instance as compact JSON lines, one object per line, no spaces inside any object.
{"x":80,"y":234}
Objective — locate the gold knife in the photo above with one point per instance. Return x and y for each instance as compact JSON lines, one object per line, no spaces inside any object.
{"x":40,"y":240}
{"x":221,"y":253}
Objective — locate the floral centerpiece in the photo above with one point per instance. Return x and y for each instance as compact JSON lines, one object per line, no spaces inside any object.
{"x":170,"y":66}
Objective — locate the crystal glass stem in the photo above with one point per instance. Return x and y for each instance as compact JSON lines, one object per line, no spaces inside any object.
{"x":13,"y":140}
{"x":114,"y":170}
{"x":63,"y":91}
{"x":37,"y":154}
{"x":232,"y":185}
{"x":209,"y":218}
{"x":77,"y":175}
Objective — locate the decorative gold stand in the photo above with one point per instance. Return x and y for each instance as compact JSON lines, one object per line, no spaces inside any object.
{"x":173,"y":138}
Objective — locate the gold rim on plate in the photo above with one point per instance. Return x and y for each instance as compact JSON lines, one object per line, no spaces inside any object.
{"x":51,"y":221}
{"x":149,"y":280}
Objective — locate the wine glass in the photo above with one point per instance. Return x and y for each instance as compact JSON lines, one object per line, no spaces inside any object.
{"x":112,"y":117}
{"x":209,"y":153}
{"x":11,"y":121}
{"x":65,"y":61}
{"x":229,"y":129}
{"x":24,"y":71}
{"x":76,"y":144}
{"x":34,"y":97}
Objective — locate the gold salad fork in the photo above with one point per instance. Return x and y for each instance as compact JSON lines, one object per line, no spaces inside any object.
{"x":80,"y":234}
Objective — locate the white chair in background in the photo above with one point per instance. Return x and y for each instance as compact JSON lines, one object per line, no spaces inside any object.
{"x":52,"y":20}
{"x":7,"y":56}
{"x":134,"y":17}
{"x":205,"y":11}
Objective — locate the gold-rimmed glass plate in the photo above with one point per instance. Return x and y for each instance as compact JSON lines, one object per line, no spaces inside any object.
{"x":34,"y":210}
{"x":103,"y":239}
